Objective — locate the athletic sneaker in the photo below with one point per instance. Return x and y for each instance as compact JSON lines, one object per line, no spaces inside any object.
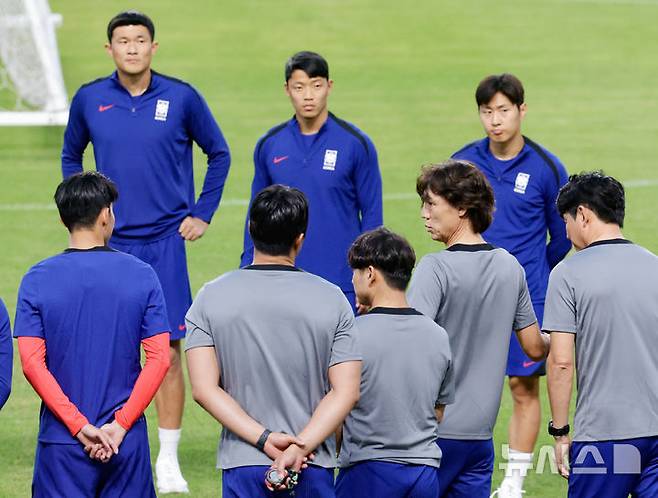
{"x":168,"y":476}
{"x":508,"y":489}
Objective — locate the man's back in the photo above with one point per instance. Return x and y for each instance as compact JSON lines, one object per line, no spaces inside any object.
{"x":607,"y":294}
{"x":276,"y":331}
{"x":407,"y":371}
{"x":478,"y":294}
{"x":92,"y":308}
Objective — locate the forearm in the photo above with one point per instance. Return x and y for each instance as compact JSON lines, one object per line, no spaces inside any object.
{"x":228,"y":412}
{"x":148,"y":382}
{"x":213,"y":185}
{"x":560,"y":385}
{"x":33,"y":354}
{"x":326,"y":418}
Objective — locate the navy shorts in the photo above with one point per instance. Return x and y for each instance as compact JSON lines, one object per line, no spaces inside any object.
{"x":168,"y":259}
{"x":518,"y":363}
{"x":242,"y":482}
{"x":387,"y":480}
{"x":65,"y":470}
{"x":614,"y":469}
{"x":466,"y":468}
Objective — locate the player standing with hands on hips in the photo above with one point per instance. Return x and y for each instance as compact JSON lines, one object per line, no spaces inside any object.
{"x":142,"y":125}
{"x":525,"y":179}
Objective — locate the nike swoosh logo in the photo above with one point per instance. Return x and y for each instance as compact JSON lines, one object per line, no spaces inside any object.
{"x":277,"y":160}
{"x":181,"y":327}
{"x":527,"y":364}
{"x":103,"y":108}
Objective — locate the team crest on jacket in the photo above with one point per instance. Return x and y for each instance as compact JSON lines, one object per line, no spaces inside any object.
{"x":521,"y":183}
{"x":330,"y":159}
{"x":161,"y":110}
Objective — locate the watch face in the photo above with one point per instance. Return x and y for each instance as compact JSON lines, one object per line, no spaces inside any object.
{"x":274,"y":477}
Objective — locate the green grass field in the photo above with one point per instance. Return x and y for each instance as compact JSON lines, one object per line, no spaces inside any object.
{"x":405,"y":74}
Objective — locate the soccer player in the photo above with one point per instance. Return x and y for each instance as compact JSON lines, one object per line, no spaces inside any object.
{"x":602,"y":301}
{"x":331,"y":161}
{"x":272,"y":349}
{"x":80,"y":319}
{"x":389,"y":438}
{"x":526,"y":179}
{"x":6,"y":355}
{"x":478,"y":294}
{"x":142,"y":125}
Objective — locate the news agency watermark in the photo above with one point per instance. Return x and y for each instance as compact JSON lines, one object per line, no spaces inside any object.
{"x":625,"y":459}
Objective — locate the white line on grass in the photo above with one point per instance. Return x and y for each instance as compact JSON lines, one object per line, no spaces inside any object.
{"x":393,"y":197}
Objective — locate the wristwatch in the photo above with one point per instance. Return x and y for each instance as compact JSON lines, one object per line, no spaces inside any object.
{"x":557,"y":431}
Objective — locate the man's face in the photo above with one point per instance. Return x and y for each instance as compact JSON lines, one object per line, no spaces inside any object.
{"x":360,"y":282}
{"x":441,"y":218}
{"x":308,"y":95}
{"x":501,"y":118}
{"x":131,"y":49}
{"x":575,"y":227}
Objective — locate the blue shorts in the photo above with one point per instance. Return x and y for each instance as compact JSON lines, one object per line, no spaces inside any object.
{"x":65,"y":470}
{"x":387,"y":480}
{"x":242,"y":482}
{"x":168,"y":259}
{"x":466,"y":467}
{"x":518,"y":363}
{"x":614,"y":469}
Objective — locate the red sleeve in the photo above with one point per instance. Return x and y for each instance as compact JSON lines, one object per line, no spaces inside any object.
{"x":33,"y":359}
{"x":149,"y":380}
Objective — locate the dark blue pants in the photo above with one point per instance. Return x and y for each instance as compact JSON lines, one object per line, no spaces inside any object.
{"x":614,"y":469}
{"x":466,"y":468}
{"x":249,"y":482}
{"x":387,"y":480}
{"x":65,"y":470}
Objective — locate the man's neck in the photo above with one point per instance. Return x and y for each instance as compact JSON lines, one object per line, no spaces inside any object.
{"x":86,"y":239}
{"x":606,"y":231}
{"x":385,"y":297}
{"x":464,"y":235}
{"x":267,"y":259}
{"x":505,"y":151}
{"x":135,"y":84}
{"x":311,"y":126}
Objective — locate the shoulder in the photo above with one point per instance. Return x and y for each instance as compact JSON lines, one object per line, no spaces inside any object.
{"x":271,"y":134}
{"x":91,"y":89}
{"x":470,"y":150}
{"x":553,"y":166}
{"x":352,"y":132}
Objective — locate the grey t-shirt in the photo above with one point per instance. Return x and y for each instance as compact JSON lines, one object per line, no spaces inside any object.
{"x":478,"y":294}
{"x":607,"y":294}
{"x":406,"y":372}
{"x":276,"y":331}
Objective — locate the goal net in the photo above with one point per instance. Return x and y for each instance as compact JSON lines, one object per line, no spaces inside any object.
{"x":32,"y":91}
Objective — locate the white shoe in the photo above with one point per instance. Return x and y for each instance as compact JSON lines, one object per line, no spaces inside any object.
{"x":508,"y":489}
{"x":168,"y":476}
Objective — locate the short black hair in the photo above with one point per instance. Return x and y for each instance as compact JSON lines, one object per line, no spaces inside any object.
{"x":595,"y":190}
{"x":81,"y":197}
{"x":277,"y":216}
{"x":314,"y":65}
{"x":507,"y":84}
{"x":463,"y":185}
{"x":130,"y":18}
{"x":386,"y":251}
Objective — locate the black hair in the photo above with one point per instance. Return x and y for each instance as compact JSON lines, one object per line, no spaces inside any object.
{"x":277,"y":216}
{"x":81,"y":197}
{"x":386,"y":251}
{"x":595,"y":190}
{"x":314,"y":65}
{"x":464,"y":186}
{"x":130,"y":18}
{"x":507,"y":84}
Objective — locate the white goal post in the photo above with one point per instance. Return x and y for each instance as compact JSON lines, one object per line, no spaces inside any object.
{"x":32,"y":91}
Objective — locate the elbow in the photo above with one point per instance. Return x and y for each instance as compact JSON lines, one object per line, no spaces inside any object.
{"x":537,"y":353}
{"x":558,"y":365}
{"x":198,"y":395}
{"x":354,"y":396}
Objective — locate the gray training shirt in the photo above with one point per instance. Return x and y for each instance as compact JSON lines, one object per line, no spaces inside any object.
{"x":478,"y":294}
{"x":607,"y":294}
{"x":406,"y":372}
{"x":276,"y":331}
